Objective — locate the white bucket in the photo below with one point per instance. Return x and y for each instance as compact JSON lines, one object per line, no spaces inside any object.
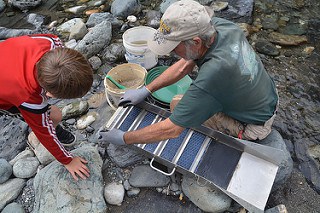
{"x":137,"y":51}
{"x":130,"y":75}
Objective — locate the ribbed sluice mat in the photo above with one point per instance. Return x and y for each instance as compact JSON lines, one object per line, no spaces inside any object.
{"x":147,"y":120}
{"x":191,"y":150}
{"x":172,"y":146}
{"x":129,"y":119}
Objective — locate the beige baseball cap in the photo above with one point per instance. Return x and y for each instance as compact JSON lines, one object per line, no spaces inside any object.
{"x":183,"y":20}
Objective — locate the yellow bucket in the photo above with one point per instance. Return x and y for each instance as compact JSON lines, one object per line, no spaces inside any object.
{"x":130,"y":75}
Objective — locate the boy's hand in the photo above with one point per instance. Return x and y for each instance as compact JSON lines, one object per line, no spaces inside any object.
{"x":77,"y":166}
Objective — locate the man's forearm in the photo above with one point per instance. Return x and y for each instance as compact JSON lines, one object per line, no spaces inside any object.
{"x":154,"y":133}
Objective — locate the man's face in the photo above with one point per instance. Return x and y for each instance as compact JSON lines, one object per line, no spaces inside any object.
{"x":187,"y":51}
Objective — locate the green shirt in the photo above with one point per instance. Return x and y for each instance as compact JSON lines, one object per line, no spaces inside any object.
{"x":231,"y":79}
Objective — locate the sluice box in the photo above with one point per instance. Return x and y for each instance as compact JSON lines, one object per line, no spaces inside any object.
{"x":243,"y":170}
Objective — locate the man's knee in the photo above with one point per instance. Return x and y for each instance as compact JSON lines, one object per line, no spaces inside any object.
{"x":175,"y":100}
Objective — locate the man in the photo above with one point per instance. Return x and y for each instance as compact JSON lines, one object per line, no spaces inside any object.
{"x":232,"y":92}
{"x":34,"y":68}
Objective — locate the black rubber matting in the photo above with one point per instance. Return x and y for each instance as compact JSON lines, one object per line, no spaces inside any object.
{"x":218,"y":163}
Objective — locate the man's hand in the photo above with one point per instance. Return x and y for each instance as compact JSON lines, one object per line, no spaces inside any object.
{"x":114,"y":136}
{"x":134,"y":96}
{"x":77,"y":167}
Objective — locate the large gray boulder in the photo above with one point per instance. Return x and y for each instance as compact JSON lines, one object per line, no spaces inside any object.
{"x":207,"y":197}
{"x":124,"y":8}
{"x":56,"y":190}
{"x":94,"y":41}
{"x":275,"y":140}
{"x":13,"y":138}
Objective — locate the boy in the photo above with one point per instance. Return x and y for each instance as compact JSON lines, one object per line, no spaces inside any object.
{"x":33,"y":68}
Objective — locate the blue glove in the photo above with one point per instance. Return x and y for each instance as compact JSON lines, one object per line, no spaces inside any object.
{"x":114,"y":136}
{"x":134,"y":96}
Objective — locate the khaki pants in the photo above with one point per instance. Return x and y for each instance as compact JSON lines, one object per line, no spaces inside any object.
{"x":230,"y":126}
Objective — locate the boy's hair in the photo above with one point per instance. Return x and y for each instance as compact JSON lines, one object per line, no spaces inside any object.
{"x":65,"y":73}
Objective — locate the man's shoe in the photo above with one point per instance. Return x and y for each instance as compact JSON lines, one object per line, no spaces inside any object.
{"x":65,"y":137}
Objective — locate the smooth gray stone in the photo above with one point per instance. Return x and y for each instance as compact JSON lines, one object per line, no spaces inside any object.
{"x":5,"y":170}
{"x":145,"y":176}
{"x":13,"y":208}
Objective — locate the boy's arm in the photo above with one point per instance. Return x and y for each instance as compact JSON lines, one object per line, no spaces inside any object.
{"x":43,"y":128}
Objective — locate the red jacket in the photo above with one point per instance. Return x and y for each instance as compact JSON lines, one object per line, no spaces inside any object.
{"x":19,"y":87}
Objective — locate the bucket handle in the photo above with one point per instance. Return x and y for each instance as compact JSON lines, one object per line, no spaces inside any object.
{"x":167,"y":174}
{"x":109,"y":102}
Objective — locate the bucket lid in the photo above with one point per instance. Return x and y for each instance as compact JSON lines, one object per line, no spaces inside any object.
{"x":166,"y":94}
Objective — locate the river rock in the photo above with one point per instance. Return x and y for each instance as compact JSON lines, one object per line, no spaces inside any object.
{"x":287,"y":40}
{"x":275,"y":140}
{"x":66,"y":26}
{"x":124,"y":8}
{"x":123,"y":156}
{"x":239,"y":11}
{"x":13,"y":208}
{"x":76,"y":9}
{"x":9,"y":33}
{"x":95,"y":62}
{"x":153,"y":18}
{"x":266,"y":47}
{"x":10,"y":191}
{"x":97,"y":18}
{"x":43,"y":155}
{"x":2,"y":5}
{"x":26,"y":167}
{"x":36,"y":20}
{"x":78,"y":31}
{"x":24,"y":154}
{"x":114,"y":193}
{"x":145,"y":176}
{"x":87,"y":119}
{"x":206,"y":197}
{"x":98,"y":37}
{"x":57,"y":191}
{"x":114,"y":52}
{"x":25,"y":4}
{"x":219,"y":5}
{"x":5,"y":170}
{"x":13,"y":133}
{"x":74,"y":109}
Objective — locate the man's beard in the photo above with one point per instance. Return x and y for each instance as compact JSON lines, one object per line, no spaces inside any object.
{"x":190,"y":55}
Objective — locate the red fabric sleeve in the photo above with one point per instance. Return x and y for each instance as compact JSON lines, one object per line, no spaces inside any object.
{"x":43,"y":128}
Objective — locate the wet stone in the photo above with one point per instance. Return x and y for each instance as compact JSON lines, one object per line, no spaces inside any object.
{"x":145,"y":176}
{"x":25,"y":4}
{"x":287,"y":40}
{"x":219,"y":5}
{"x":267,"y":48}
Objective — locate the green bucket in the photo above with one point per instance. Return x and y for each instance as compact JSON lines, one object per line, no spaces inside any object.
{"x":166,"y":94}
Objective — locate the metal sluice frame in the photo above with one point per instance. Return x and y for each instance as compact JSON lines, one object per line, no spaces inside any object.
{"x":243,"y":170}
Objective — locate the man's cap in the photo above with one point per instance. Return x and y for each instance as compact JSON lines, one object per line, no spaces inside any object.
{"x":183,"y":20}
